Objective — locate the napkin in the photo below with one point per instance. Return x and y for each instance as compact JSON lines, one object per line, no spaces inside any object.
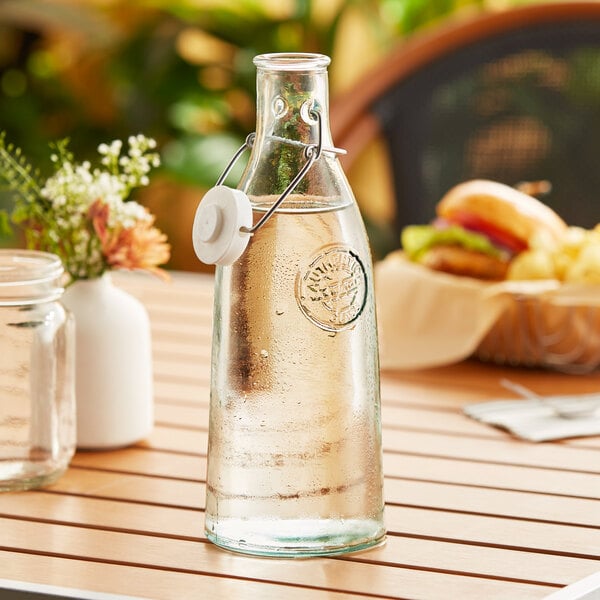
{"x":538,"y":420}
{"x":428,"y":318}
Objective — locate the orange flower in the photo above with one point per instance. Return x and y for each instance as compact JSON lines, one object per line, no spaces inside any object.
{"x":141,"y":246}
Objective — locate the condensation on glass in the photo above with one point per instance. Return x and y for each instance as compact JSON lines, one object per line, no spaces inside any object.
{"x":37,"y":398}
{"x":294,"y":455}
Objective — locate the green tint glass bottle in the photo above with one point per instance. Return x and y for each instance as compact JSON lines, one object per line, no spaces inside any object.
{"x":294,"y":458}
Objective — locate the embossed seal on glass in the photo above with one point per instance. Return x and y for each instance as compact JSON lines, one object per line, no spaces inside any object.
{"x":332,"y":291}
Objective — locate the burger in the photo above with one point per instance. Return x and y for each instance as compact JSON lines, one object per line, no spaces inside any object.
{"x":480,"y":227}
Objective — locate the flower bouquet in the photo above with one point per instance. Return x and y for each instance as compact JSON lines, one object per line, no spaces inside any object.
{"x":82,"y":213}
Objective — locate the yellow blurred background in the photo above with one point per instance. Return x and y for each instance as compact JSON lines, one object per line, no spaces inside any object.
{"x":181,"y":71}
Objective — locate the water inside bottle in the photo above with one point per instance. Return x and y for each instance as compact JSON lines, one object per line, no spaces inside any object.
{"x":294,"y":446}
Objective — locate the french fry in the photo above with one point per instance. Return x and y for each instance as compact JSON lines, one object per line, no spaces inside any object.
{"x":532,"y":264}
{"x":586,"y":267}
{"x":576,"y":259}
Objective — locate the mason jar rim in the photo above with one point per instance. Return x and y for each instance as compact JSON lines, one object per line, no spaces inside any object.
{"x":29,"y":277}
{"x":28,"y":266}
{"x":292,"y":61}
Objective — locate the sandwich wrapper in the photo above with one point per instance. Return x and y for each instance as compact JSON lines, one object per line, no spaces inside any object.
{"x":429,"y":319}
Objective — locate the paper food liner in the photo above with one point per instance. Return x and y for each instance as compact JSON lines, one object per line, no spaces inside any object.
{"x":427,"y":319}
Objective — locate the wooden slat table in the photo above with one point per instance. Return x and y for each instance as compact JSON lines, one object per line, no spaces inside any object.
{"x":471,"y":512}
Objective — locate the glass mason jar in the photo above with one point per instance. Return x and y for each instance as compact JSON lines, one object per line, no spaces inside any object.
{"x":37,"y":398}
{"x":294,"y":456}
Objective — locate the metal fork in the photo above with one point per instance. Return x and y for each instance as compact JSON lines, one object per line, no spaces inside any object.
{"x":575,"y":409}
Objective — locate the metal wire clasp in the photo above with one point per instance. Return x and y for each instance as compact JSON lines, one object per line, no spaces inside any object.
{"x":312,"y":153}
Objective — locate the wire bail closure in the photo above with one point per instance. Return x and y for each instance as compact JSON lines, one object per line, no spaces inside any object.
{"x":223,"y":221}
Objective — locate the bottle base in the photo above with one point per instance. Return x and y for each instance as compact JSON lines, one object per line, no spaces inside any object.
{"x":18,"y":475}
{"x":296,"y":538}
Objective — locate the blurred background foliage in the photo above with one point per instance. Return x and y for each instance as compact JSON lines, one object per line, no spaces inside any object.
{"x":180,"y":71}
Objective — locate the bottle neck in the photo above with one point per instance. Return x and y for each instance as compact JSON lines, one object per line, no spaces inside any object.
{"x":291,"y":89}
{"x":286,"y":103}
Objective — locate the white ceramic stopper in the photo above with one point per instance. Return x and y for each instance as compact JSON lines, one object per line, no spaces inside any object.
{"x":219,"y":218}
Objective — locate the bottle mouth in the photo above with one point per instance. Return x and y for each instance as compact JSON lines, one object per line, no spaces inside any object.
{"x":292,"y":61}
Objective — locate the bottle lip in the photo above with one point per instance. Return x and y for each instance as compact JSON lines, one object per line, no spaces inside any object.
{"x":292,"y":61}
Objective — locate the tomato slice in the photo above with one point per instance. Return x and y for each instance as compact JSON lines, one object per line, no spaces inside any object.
{"x":497,"y":235}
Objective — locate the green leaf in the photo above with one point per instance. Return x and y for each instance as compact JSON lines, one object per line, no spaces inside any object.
{"x":417,"y":239}
{"x":17,"y":175}
{"x":5,"y":227}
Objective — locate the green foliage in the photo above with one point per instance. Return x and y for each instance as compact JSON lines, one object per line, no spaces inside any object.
{"x":16,"y":172}
{"x":19,"y":178}
{"x":129,"y":69}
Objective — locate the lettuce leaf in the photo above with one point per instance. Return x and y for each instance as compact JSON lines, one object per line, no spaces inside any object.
{"x":417,"y":239}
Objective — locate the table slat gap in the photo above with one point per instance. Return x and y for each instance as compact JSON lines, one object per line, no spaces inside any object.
{"x":512,"y":547}
{"x":486,"y":462}
{"x":483,"y":486}
{"x":510,"y":517}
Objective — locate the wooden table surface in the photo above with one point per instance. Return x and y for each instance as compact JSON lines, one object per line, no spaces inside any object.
{"x":471,"y":512}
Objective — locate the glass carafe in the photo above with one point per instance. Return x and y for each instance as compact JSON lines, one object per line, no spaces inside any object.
{"x":294,"y":457}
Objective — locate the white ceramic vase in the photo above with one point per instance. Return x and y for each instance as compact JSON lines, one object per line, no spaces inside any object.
{"x":114,"y":394}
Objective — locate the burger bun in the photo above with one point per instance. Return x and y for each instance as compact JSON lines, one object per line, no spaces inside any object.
{"x":506,"y":208}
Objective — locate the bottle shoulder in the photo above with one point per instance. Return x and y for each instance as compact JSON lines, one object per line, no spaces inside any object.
{"x":272,"y":173}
